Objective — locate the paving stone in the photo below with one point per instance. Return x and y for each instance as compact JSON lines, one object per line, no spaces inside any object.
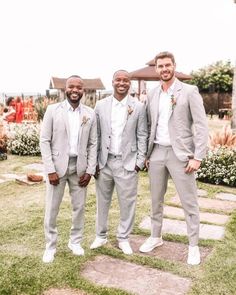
{"x":35,"y":166}
{"x":178,"y":227}
{"x":54,"y":291}
{"x":201,"y":193}
{"x":2,"y":180}
{"x":172,"y":251}
{"x":226,"y":196}
{"x":175,"y":212}
{"x":137,"y":279}
{"x":9,"y":176}
{"x":205,"y":203}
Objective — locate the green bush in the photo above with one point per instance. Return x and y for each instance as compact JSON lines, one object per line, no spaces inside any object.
{"x":217,"y":77}
{"x":219,"y":167}
{"x":23,"y":139}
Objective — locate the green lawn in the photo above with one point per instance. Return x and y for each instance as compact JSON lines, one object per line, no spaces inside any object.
{"x":22,"y":242}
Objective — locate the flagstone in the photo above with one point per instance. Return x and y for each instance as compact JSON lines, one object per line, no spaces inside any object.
{"x":115,"y":273}
{"x":2,"y":180}
{"x":35,"y":166}
{"x":201,"y":193}
{"x":55,"y":291}
{"x":172,"y":251}
{"x":178,"y":227}
{"x":175,"y":212}
{"x":226,"y":196}
{"x":206,"y":203}
{"x":9,"y":176}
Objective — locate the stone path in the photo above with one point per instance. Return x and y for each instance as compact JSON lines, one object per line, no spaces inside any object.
{"x":109,"y":272}
{"x":137,"y":279}
{"x":116,"y":273}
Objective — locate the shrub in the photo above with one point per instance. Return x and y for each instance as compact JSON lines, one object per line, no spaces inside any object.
{"x":219,"y":167}
{"x":23,"y":139}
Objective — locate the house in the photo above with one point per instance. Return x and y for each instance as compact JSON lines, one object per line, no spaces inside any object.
{"x":91,"y":87}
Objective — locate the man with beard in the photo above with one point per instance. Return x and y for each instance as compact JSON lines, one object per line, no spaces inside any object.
{"x":68,"y":143}
{"x":178,"y":135}
{"x":122,"y":146}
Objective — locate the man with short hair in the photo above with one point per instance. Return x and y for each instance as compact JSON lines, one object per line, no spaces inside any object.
{"x":122,"y":146}
{"x":178,"y":136}
{"x":68,"y":144}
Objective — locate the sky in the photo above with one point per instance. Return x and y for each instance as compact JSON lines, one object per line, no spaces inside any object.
{"x":94,"y":38}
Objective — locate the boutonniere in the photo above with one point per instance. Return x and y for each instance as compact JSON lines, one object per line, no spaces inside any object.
{"x":84,"y":120}
{"x":130,"y":110}
{"x":173,"y":101}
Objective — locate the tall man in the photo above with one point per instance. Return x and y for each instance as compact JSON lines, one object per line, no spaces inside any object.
{"x":122,"y":146}
{"x":68,"y":144}
{"x":178,"y":135}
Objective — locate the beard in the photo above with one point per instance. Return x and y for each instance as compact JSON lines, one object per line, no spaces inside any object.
{"x":73,"y":100}
{"x":169,"y":77}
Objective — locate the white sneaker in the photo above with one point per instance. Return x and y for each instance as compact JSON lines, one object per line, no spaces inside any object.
{"x":98,"y":242}
{"x":125,"y":247}
{"x":48,"y":255}
{"x":76,"y":249}
{"x":150,"y":244}
{"x":193,"y":255}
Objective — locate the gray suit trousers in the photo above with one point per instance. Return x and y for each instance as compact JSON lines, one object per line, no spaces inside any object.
{"x":114,"y":175}
{"x":54,"y":197}
{"x":163,"y":162}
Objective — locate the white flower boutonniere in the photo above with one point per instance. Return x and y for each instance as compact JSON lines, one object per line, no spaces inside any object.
{"x":173,"y":101}
{"x":84,"y":120}
{"x":130,"y":110}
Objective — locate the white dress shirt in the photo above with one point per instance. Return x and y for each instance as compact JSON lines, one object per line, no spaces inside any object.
{"x":165,"y":105}
{"x":74,"y":126}
{"x":119,"y":115}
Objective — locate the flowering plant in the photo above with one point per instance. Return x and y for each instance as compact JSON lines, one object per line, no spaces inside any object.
{"x":173,"y":101}
{"x":84,"y":120}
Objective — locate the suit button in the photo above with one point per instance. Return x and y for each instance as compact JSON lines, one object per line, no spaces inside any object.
{"x":107,"y":148}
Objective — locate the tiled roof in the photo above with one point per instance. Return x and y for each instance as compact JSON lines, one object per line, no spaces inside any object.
{"x":59,"y":83}
{"x":149,"y":74}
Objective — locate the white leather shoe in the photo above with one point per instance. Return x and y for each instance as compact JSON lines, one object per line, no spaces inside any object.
{"x":48,"y":255}
{"x":98,"y":242}
{"x":193,"y":255}
{"x":125,"y":247}
{"x":150,"y":244}
{"x":76,"y":249}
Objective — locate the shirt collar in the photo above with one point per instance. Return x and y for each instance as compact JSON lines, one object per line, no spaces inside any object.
{"x":70,"y":108}
{"x":116,"y":102}
{"x":171,"y":89}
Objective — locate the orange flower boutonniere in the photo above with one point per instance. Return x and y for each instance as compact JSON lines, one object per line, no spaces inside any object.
{"x":173,"y":101}
{"x":84,"y":120}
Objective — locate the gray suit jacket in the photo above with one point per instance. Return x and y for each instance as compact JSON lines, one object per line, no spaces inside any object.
{"x":134,"y":136}
{"x":188,"y":127}
{"x":54,"y":140}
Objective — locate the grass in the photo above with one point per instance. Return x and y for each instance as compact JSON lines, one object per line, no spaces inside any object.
{"x":22,"y":242}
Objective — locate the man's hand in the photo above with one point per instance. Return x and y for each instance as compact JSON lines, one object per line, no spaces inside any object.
{"x":84,"y":180}
{"x":137,"y":169}
{"x":53,"y":178}
{"x":193,"y":165}
{"x":97,"y":172}
{"x":146,"y":165}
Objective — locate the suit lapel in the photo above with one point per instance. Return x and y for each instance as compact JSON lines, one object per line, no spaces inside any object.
{"x":65,"y":117}
{"x":155,"y":105}
{"x":176,"y":93}
{"x":107,"y":111}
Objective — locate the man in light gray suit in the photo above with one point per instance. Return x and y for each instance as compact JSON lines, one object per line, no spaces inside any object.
{"x":68,"y":144}
{"x":122,"y":146}
{"x":178,"y":136}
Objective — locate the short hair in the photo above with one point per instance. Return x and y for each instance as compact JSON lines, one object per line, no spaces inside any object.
{"x":74,"y":76}
{"x":164,"y":54}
